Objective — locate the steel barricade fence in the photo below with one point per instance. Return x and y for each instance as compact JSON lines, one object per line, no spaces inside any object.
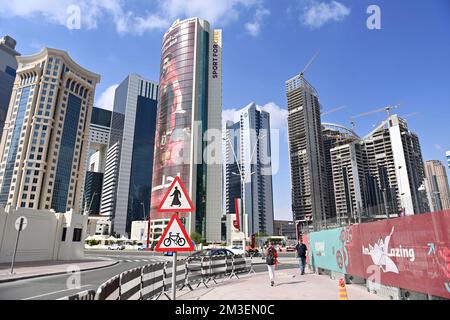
{"x":110,"y":290}
{"x":217,"y":267}
{"x":85,"y":295}
{"x":152,"y":280}
{"x":239,"y":264}
{"x":180,"y":276}
{"x":195,"y":273}
{"x":130,"y":284}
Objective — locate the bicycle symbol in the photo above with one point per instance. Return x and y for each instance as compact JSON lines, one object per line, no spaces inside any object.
{"x":175,"y":239}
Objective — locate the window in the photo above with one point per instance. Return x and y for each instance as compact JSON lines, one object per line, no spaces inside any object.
{"x":64,"y":233}
{"x":77,"y":234}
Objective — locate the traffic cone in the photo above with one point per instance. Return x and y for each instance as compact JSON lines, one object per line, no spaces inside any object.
{"x":342,"y":290}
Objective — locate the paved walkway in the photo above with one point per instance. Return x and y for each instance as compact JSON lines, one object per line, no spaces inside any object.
{"x":27,"y":270}
{"x":289,"y":285}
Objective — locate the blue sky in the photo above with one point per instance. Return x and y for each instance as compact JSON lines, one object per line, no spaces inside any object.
{"x":266,"y":43}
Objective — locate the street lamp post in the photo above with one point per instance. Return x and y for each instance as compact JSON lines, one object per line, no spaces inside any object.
{"x":244,"y":175}
{"x":148,"y":227}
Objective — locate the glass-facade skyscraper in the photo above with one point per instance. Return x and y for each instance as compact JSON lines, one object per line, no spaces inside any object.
{"x":190,"y":104}
{"x":44,"y":148}
{"x":128,"y":174}
{"x":250,"y":139}
{"x":8,"y":66}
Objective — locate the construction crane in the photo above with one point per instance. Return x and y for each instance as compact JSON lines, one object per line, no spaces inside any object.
{"x":387,"y":109}
{"x":332,"y":111}
{"x":310,"y":63}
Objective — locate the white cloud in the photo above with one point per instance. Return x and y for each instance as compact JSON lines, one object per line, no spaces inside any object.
{"x":316,"y":14}
{"x":106,"y":99}
{"x":158,"y":16}
{"x":253,"y":28}
{"x":278,"y":116}
{"x":438,"y":147}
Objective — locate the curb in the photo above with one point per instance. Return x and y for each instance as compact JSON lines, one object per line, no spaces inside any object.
{"x":41,"y":275}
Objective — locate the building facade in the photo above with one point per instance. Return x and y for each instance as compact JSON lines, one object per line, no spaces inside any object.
{"x":189,"y":117}
{"x":8,"y":67}
{"x":308,"y":171}
{"x":437,"y":185}
{"x":45,"y":138}
{"x":96,"y":161}
{"x":249,"y":141}
{"x":333,"y":135}
{"x":379,"y":176}
{"x":129,"y":160}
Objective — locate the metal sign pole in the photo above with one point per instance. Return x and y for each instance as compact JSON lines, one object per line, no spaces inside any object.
{"x":15,"y":249}
{"x":174,"y":272}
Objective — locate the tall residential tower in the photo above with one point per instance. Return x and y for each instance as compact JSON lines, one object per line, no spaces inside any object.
{"x":44,"y":145}
{"x":308,"y":172}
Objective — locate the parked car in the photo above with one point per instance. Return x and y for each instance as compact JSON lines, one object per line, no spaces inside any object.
{"x":290,"y":249}
{"x":211,"y":252}
{"x":115,"y":246}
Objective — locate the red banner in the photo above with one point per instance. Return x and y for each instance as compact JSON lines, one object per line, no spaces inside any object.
{"x":411,"y":252}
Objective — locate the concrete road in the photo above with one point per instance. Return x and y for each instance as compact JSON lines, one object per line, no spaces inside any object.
{"x":55,"y":287}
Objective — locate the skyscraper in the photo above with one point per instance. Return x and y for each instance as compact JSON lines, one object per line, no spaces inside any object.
{"x":395,"y":163}
{"x":44,"y":145}
{"x":308,"y":172}
{"x":437,"y":185}
{"x":8,"y":66}
{"x":249,"y":140}
{"x":190,"y":110}
{"x":96,"y":162}
{"x":334,"y":136}
{"x":129,"y":162}
{"x":447,"y":154}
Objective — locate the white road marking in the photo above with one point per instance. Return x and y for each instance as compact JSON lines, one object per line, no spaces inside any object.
{"x":50,"y":293}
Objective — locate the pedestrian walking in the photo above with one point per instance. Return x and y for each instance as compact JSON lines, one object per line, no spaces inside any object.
{"x":272,"y":261}
{"x":301,"y":250}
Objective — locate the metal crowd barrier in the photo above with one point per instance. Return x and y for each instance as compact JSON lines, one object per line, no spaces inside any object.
{"x":154,"y":280}
{"x":85,"y":295}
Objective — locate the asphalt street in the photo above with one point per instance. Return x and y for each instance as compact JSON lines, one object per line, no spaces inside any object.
{"x":55,"y":287}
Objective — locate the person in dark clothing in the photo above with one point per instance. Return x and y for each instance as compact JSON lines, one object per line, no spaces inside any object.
{"x":176,"y":198}
{"x":301,"y":250}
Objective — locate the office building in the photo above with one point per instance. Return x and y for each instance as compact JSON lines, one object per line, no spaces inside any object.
{"x":8,"y":67}
{"x":447,"y":154}
{"x":333,"y":135}
{"x":437,"y":185}
{"x":250,"y":143}
{"x":190,"y":109}
{"x":379,"y":176}
{"x":44,"y":147}
{"x":395,"y":163}
{"x":96,"y":161}
{"x":308,"y":171}
{"x":129,"y":160}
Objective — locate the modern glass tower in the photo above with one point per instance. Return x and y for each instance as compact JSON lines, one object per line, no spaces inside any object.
{"x":129,"y":162}
{"x":44,"y":148}
{"x":8,"y":67}
{"x":249,"y":140}
{"x":190,"y":106}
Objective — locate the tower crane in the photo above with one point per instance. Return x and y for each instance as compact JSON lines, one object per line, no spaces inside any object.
{"x":387,"y":109}
{"x":302,"y":74}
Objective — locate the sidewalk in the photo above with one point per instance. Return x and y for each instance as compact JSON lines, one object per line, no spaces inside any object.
{"x":35,"y":269}
{"x":287,"y":287}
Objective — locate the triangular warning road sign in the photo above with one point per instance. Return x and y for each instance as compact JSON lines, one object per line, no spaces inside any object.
{"x":174,"y":238}
{"x":176,"y":199}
